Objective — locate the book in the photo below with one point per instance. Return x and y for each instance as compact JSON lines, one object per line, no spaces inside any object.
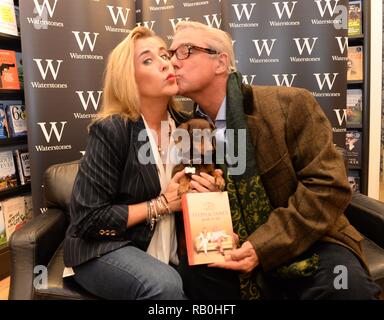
{"x":9,"y":78}
{"x":208,"y":226}
{"x":17,"y":122}
{"x":354,"y":180}
{"x":8,"y":22}
{"x":354,"y":18}
{"x":353,"y":146}
{"x":3,"y":236}
{"x":17,"y":15}
{"x":354,"y":108}
{"x":23,"y":168}
{"x":8,"y":178}
{"x":14,"y":214}
{"x":28,"y":207}
{"x":3,"y":123}
{"x":355,"y":63}
{"x":19,"y":61}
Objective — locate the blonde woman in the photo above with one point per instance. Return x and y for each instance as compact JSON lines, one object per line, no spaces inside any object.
{"x":121,"y":242}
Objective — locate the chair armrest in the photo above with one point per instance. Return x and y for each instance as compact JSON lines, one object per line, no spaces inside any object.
{"x":367,"y":215}
{"x":34,"y":244}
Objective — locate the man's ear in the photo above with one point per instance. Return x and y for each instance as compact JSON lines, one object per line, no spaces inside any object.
{"x":223,"y":62}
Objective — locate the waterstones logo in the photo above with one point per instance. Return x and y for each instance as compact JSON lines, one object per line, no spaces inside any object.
{"x":90,"y":98}
{"x":45,"y":68}
{"x":195,"y":4}
{"x":301,"y":45}
{"x":341,"y":115}
{"x":147,"y":24}
{"x":325,"y":79}
{"x":44,"y":11}
{"x":119,"y":16}
{"x":161,"y":5}
{"x":284,"y":10}
{"x":213,"y":20}
{"x":284,"y":79}
{"x":82,"y":41}
{"x":175,"y":21}
{"x":343,"y":44}
{"x":243,"y":9}
{"x":261,"y":46}
{"x":328,"y":8}
{"x":248,"y":78}
{"x":52,"y":132}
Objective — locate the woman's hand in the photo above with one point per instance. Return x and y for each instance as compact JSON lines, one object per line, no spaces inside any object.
{"x":171,"y":193}
{"x":206,"y":183}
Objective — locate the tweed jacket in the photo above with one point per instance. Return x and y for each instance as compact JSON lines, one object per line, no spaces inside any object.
{"x":110,"y":177}
{"x":303,"y":174}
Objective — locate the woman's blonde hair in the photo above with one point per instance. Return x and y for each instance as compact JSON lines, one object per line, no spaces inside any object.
{"x":120,"y":91}
{"x":214,"y":38}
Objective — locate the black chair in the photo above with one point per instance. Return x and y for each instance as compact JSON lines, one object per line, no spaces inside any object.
{"x":39,"y":242}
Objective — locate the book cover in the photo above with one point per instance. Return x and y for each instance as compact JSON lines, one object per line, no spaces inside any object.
{"x":354,"y":18}
{"x":8,"y":22}
{"x":3,"y":236}
{"x":208,"y":226}
{"x":9,"y":79}
{"x":354,"y":108}
{"x":14,"y":215}
{"x":354,"y":180}
{"x":353,"y":146}
{"x":3,"y":123}
{"x":23,"y":168}
{"x":8,"y":178}
{"x":17,"y":122}
{"x":355,"y":63}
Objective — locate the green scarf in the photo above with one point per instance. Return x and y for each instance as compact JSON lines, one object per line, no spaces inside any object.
{"x":250,"y":205}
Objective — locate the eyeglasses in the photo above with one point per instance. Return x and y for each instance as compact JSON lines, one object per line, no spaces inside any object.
{"x":185,"y":50}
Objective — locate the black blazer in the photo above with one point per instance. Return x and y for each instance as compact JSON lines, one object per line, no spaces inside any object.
{"x":110,"y":177}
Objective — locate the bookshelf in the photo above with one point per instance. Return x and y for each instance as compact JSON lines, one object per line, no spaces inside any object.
{"x":363,"y":39}
{"x":11,"y":42}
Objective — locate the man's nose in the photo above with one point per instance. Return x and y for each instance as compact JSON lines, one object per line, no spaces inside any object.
{"x":175,"y":62}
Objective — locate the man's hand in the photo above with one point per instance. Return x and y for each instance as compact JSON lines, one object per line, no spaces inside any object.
{"x":243,"y":259}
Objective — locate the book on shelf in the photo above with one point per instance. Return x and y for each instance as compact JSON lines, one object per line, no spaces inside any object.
{"x":353,"y":146}
{"x":17,"y":15}
{"x":355,"y":63}
{"x":9,"y":78}
{"x":15,"y":214}
{"x":208,"y":226}
{"x":354,"y":108}
{"x":355,"y":18}
{"x":17,"y":122}
{"x":3,"y":236}
{"x":8,"y":179}
{"x":354,"y":180}
{"x":8,"y":22}
{"x":23,"y":168}
{"x":19,"y":61}
{"x":3,"y":123}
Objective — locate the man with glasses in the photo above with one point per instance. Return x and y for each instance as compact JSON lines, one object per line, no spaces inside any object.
{"x":288,"y":205}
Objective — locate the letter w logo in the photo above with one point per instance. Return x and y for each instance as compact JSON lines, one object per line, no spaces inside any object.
{"x":326,"y":78}
{"x":341,"y":118}
{"x":91,"y":98}
{"x":87,"y":39}
{"x":54,"y":130}
{"x":49,"y":66}
{"x":214,"y":20}
{"x":342,"y":45}
{"x":46,"y":5}
{"x":119,"y":14}
{"x":174,"y":23}
{"x":300,"y":47}
{"x":244,"y":9}
{"x":285,"y":9}
{"x":268,"y":48}
{"x":284,"y":81}
{"x":158,"y":1}
{"x":327,"y":6}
